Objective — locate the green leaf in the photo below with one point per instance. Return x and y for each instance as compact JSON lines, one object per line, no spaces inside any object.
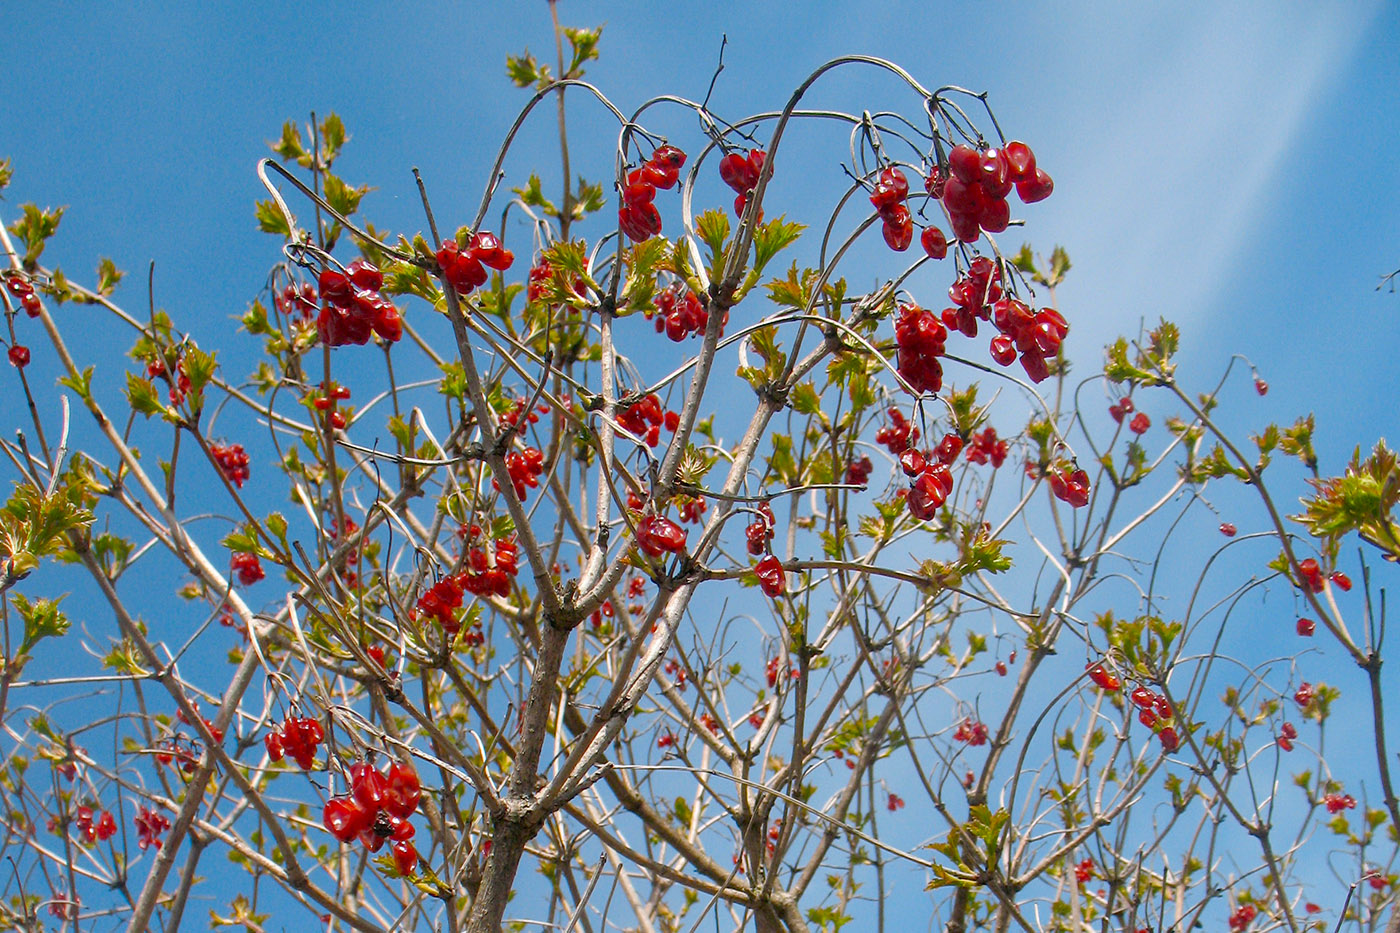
{"x":108,"y":275}
{"x":713,"y":228}
{"x":41,"y":620}
{"x":533,"y":195}
{"x":34,"y":228}
{"x":142,"y":396}
{"x":199,"y":367}
{"x":1025,"y":261}
{"x":585,"y":48}
{"x":277,"y":525}
{"x":804,"y":399}
{"x":289,"y":146}
{"x":271,"y":219}
{"x":523,"y":70}
{"x":771,"y":238}
{"x":342,"y":197}
{"x":81,"y":383}
{"x":333,"y":138}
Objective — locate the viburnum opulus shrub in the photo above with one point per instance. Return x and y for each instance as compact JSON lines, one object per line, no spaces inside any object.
{"x":619,"y":562}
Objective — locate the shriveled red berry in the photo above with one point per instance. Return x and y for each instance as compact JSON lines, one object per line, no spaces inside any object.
{"x":771,"y":576}
{"x":1140,"y":423}
{"x":1306,"y":627}
{"x":404,"y":790}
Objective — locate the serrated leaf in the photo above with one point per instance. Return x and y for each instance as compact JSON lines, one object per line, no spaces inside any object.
{"x":270,"y":219}
{"x":142,"y":396}
{"x":289,"y":147}
{"x":333,"y":138}
{"x":341,"y":196}
{"x":34,"y":227}
{"x":522,"y":70}
{"x":108,"y":275}
{"x":771,"y":238}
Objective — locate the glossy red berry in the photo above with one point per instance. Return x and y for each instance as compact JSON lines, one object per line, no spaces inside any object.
{"x":370,"y":788}
{"x":405,"y":858}
{"x":1228,"y":529}
{"x":404,"y":790}
{"x":1019,"y":160}
{"x":1036,"y":189}
{"x":344,"y":818}
{"x":657,"y":535}
{"x":1261,"y":386}
{"x":965,"y":164}
{"x":933,"y":241}
{"x":1003,"y":350}
{"x":771,"y":576}
{"x":1306,"y":627}
{"x":1169,"y":739}
{"x":1341,"y":581}
{"x":19,"y":355}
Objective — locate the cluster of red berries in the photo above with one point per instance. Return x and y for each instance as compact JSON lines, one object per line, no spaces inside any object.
{"x":24,"y":291}
{"x":691,"y":509}
{"x":1155,"y":713}
{"x":774,"y":668}
{"x":248,"y":568}
{"x":490,"y":576}
{"x":1070,"y":485}
{"x":679,"y":313}
{"x":1242,"y":917}
{"x":891,"y":191}
{"x":19,"y":355}
{"x":858,"y":471}
{"x":1287,"y":733}
{"x":149,"y":826}
{"x":920,"y":338}
{"x":179,"y":386}
{"x":1036,"y":336}
{"x":512,"y":418}
{"x":646,"y":417}
{"x":771,"y":576}
{"x":354,"y":306}
{"x":1311,"y":574}
{"x":638,"y":217}
{"x":931,"y":482}
{"x":524,"y":468}
{"x":985,"y":447}
{"x":297,"y":299}
{"x":1336,"y":803}
{"x":899,"y":435}
{"x":1084,"y":871}
{"x":894,"y":803}
{"x":1139,"y":422}
{"x":325,"y":400}
{"x":740,"y":172}
{"x":232,"y":461}
{"x":104,"y":828}
{"x":378,"y":808}
{"x":976,"y":184}
{"x":297,"y":739}
{"x":657,"y":535}
{"x":465,"y":268}
{"x":971,"y":732}
{"x":541,"y":273}
{"x":759,"y":532}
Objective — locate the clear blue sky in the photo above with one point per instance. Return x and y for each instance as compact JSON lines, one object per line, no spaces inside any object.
{"x":1232,"y":167}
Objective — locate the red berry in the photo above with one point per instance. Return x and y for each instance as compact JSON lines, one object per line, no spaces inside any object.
{"x":657,"y":535}
{"x":344,"y":818}
{"x":933,"y":241}
{"x":370,"y":788}
{"x":1169,"y":739}
{"x":1228,"y":529}
{"x":1261,"y":386}
{"x":1020,"y":160}
{"x":1306,"y":627}
{"x":771,"y":576}
{"x":1003,"y":350}
{"x":19,"y":355}
{"x":1035,"y":189}
{"x":1140,"y":423}
{"x":405,"y":858}
{"x":965,"y":164}
{"x":898,"y":235}
{"x":1341,"y":580}
{"x":31,"y":304}
{"x":404,"y":790}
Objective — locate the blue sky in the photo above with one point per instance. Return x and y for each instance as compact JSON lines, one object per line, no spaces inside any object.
{"x":1230,"y":167}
